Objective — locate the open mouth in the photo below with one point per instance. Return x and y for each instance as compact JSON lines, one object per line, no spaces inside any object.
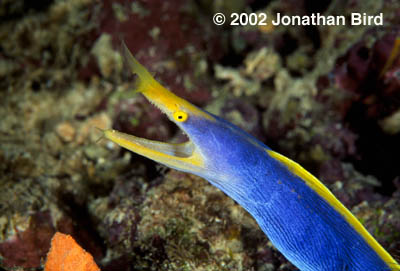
{"x":181,"y":150}
{"x":184,"y":156}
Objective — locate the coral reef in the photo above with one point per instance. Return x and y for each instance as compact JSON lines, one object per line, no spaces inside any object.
{"x":328,"y":97}
{"x":66,"y":255}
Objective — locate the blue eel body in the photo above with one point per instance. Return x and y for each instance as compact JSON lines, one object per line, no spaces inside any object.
{"x":300,"y":216}
{"x":301,"y":225}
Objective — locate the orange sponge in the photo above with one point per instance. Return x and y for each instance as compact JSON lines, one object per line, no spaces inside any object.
{"x":66,"y":255}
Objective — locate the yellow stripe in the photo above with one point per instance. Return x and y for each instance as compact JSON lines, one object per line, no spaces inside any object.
{"x":324,"y":192}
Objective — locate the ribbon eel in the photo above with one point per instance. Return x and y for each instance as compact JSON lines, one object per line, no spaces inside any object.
{"x":300,"y":216}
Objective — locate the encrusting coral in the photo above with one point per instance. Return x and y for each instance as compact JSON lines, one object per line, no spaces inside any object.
{"x":66,"y":255}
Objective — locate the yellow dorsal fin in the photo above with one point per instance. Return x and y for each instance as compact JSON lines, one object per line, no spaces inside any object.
{"x":327,"y":195}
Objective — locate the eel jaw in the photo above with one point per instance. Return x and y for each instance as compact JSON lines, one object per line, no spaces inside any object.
{"x":185,"y":156}
{"x":182,"y":156}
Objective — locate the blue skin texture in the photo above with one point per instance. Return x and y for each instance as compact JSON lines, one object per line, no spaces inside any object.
{"x":303,"y":226}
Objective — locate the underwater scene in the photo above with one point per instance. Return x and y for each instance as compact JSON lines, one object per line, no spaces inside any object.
{"x":248,"y":135}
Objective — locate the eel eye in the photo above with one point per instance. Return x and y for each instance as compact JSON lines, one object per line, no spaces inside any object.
{"x":180,"y":116}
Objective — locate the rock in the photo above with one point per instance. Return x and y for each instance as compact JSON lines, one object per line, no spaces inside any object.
{"x":66,"y":131}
